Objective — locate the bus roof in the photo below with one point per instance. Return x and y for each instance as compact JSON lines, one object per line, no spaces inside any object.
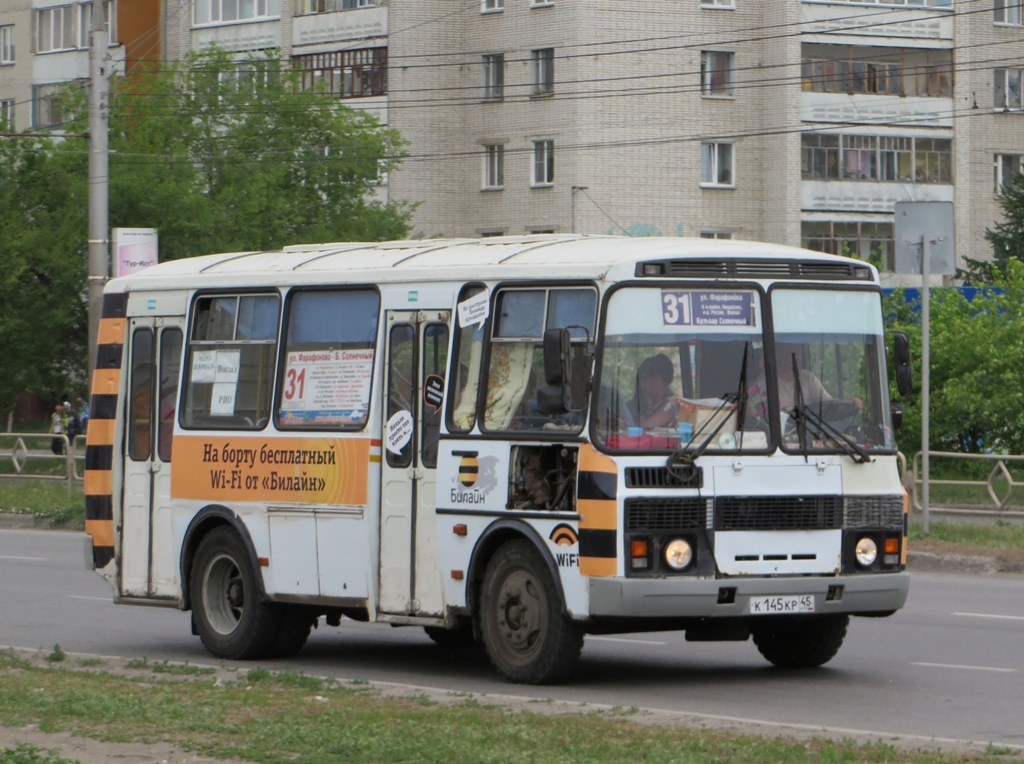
{"x":548,"y":256}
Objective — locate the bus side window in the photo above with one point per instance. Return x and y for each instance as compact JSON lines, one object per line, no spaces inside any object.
{"x":140,"y":406}
{"x":434,"y":363}
{"x":469,"y":350}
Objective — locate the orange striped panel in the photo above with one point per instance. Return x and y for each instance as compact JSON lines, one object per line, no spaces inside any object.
{"x":600,"y":514}
{"x":597,"y":566}
{"x":102,"y":532}
{"x":111,"y":331}
{"x":98,"y":483}
{"x":101,"y":432}
{"x":106,"y":381}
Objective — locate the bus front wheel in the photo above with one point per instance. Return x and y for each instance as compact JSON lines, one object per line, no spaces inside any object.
{"x":232,"y":621}
{"x":806,"y":643}
{"x":528,"y":637}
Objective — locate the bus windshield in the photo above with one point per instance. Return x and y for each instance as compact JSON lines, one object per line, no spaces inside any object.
{"x":673,"y":366}
{"x":829,"y":371}
{"x":693,"y":368}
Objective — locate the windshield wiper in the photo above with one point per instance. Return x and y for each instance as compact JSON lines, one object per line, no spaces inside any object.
{"x":805,"y":416}
{"x":680,"y":464}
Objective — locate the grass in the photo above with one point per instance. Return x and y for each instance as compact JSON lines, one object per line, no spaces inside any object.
{"x":264,"y":717}
{"x":31,"y":754}
{"x":998,"y":535}
{"x":46,"y":500}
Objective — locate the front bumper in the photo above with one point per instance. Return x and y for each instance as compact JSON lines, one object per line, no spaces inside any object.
{"x":730,"y":597}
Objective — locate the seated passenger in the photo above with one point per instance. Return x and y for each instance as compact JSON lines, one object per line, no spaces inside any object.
{"x":655,"y":405}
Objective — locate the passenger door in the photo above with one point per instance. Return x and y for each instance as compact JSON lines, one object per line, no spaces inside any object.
{"x":150,"y":569}
{"x":417,"y":352}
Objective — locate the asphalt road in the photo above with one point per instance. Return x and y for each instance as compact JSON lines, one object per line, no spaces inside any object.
{"x":948,"y":668}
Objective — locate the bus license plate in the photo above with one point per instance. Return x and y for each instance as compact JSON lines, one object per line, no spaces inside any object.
{"x":800,"y":603}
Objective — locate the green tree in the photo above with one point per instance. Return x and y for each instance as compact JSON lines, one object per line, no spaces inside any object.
{"x":225,"y":155}
{"x":216,"y":154}
{"x":977,"y":353}
{"x":42,"y":271}
{"x":1006,"y":238}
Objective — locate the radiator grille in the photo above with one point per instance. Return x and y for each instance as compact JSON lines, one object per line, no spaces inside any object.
{"x":778,"y":513}
{"x":874,"y":512}
{"x":665,"y":514}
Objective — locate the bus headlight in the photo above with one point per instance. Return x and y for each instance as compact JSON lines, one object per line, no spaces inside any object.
{"x":866,"y":551}
{"x":678,"y":554}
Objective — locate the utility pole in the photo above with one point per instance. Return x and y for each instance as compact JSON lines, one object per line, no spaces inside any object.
{"x":99,"y":176}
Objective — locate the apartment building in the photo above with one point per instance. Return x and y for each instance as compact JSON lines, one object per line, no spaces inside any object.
{"x":45,"y":44}
{"x":794,"y":121}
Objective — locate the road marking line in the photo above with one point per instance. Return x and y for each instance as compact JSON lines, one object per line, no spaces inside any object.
{"x":83,"y":597}
{"x":992,"y":615}
{"x":31,"y":559}
{"x":969,"y":668}
{"x":631,"y":641}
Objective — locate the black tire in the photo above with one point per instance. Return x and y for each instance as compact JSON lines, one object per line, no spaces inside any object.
{"x":231,"y":618}
{"x":296,"y":624}
{"x":801,"y":643}
{"x":461,"y":637}
{"x":528,"y":636}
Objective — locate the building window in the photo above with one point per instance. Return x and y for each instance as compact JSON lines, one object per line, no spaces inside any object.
{"x":57,"y":28}
{"x":716,"y":164}
{"x":1006,"y":167}
{"x":872,"y":158}
{"x":543,"y":163}
{"x":717,"y":4}
{"x":7,"y":114}
{"x":7,"y":44}
{"x":494,"y":166}
{"x":918,"y":3}
{"x":46,"y":110}
{"x":218,"y":11}
{"x":1008,"y":12}
{"x":819,"y":156}
{"x":895,"y":158}
{"x":542,"y":67}
{"x":306,"y":7}
{"x":870,"y":242}
{"x":490,"y":6}
{"x":493,"y":76}
{"x":346,"y":73}
{"x":717,"y":73}
{"x":1007,"y":83}
{"x":716,"y":235}
{"x":877,"y":71}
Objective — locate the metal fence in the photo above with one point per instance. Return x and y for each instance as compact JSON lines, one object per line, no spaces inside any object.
{"x":29,"y":453}
{"x":995,"y":496}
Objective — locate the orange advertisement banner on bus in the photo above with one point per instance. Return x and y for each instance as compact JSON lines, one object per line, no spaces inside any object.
{"x":310,"y":470}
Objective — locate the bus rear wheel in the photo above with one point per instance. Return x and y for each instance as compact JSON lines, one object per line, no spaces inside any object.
{"x":528,"y":637}
{"x":232,"y":621}
{"x":806,"y":643}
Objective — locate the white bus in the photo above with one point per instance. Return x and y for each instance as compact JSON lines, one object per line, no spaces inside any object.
{"x":515,"y":441}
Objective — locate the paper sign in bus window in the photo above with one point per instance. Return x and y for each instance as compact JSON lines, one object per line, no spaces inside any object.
{"x":225,"y":382}
{"x":474,"y":310}
{"x":204,"y":366}
{"x":327,"y":386}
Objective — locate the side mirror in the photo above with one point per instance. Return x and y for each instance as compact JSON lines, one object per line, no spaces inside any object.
{"x":901,"y":361}
{"x":553,"y":398}
{"x":896,"y":412}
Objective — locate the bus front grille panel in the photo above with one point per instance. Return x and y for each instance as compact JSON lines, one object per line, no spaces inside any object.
{"x":665,"y":514}
{"x":873,"y":512}
{"x":659,"y":477}
{"x":778,"y":513}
